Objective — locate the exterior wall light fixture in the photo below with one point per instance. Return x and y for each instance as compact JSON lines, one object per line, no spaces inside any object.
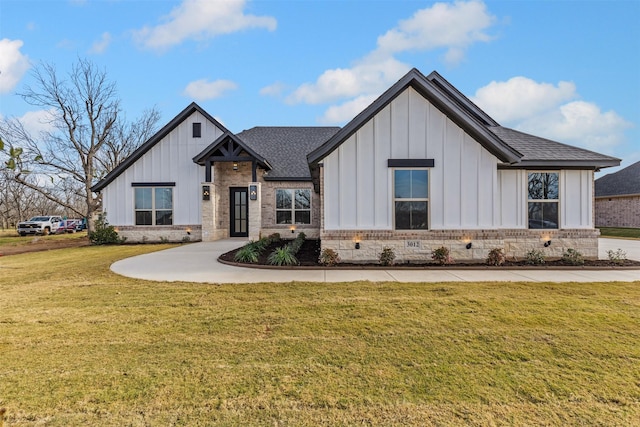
{"x":469,"y":245}
{"x":357,"y":245}
{"x":547,"y":243}
{"x":293,"y":230}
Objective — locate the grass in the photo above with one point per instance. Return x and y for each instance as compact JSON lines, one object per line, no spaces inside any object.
{"x":83,"y":346}
{"x":12,"y":238}
{"x":629,"y":233}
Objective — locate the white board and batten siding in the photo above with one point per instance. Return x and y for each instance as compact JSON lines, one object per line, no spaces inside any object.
{"x":358,"y":184}
{"x":170,"y":160}
{"x":575,"y":198}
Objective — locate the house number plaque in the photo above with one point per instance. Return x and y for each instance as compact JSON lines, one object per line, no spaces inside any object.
{"x":412,"y":244}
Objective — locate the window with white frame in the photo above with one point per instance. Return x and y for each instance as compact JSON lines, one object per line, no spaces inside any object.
{"x":153,"y":205}
{"x":411,"y":199}
{"x":293,"y":206}
{"x":543,"y":200}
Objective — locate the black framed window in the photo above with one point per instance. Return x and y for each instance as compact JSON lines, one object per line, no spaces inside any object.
{"x":543,"y":197}
{"x":411,"y":199}
{"x":153,"y":205}
{"x":293,"y":206}
{"x":197,"y":130}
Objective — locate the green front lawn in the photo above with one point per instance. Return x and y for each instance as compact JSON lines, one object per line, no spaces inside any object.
{"x":82,"y":346}
{"x":629,"y":233}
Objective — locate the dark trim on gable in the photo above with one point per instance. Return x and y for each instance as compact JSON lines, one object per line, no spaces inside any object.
{"x":207,"y":154}
{"x":441,"y":100}
{"x":410,"y":163}
{"x":561,"y":164}
{"x":153,"y":184}
{"x":177,"y":120}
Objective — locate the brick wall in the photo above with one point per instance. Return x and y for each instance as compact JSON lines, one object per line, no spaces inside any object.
{"x":620,"y":211}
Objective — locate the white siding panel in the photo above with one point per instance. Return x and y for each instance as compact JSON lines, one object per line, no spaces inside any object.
{"x":170,"y":160}
{"x":512,"y":198}
{"x":381,"y":190}
{"x":463,"y":182}
{"x":365,"y":170}
{"x":348,"y":184}
{"x":575,"y":199}
{"x":435,"y":150}
{"x":400,"y":126}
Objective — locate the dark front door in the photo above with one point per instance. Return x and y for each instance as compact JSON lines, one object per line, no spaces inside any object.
{"x":239,"y":203}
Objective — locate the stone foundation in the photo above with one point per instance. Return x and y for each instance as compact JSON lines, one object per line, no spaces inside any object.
{"x":417,"y":246}
{"x":155,"y":234}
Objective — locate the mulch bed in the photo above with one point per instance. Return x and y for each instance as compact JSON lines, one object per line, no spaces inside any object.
{"x":310,"y":252}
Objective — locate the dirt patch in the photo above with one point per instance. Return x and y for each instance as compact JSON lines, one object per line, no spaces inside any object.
{"x":41,"y":243}
{"x":310,"y":252}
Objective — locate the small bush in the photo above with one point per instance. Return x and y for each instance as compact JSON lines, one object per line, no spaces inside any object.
{"x":329,"y":257}
{"x":441,"y":256}
{"x":282,"y":256}
{"x":572,"y":257}
{"x":104,"y":234}
{"x":186,"y":239}
{"x":164,"y":239}
{"x":275,"y":237}
{"x":496,"y":257}
{"x":534,"y":257}
{"x":617,"y":257}
{"x":248,"y":254}
{"x":387,"y":256}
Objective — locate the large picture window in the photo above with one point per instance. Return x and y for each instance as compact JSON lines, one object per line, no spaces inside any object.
{"x":153,"y":205}
{"x":293,"y":206}
{"x":411,"y":198}
{"x":543,"y":200}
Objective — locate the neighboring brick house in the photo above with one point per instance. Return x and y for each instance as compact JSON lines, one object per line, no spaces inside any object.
{"x":618,"y":198}
{"x":421,"y":167}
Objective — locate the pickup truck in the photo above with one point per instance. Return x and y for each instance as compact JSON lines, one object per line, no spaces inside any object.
{"x":39,"y":225}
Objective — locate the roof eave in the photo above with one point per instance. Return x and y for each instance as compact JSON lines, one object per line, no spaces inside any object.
{"x":563,"y":164}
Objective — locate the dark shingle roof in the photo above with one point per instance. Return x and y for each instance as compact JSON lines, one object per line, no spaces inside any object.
{"x":625,"y":181}
{"x":286,"y":148}
{"x":543,"y":152}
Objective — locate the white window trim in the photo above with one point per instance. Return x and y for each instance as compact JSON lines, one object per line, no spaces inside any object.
{"x":528,"y":200}
{"x":293,"y":209}
{"x":153,"y":207}
{"x":394,"y":199}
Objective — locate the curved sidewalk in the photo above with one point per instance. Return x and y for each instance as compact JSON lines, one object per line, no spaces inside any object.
{"x":197,"y":262}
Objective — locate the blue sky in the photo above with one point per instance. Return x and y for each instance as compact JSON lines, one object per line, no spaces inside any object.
{"x":565,"y":70}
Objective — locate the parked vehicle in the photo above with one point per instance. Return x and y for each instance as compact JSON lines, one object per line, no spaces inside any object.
{"x":68,"y":226}
{"x":44,"y":225}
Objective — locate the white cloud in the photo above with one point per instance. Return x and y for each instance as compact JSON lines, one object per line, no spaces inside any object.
{"x":275,"y":89}
{"x":37,"y":122}
{"x":521,"y":97}
{"x":200,"y":20}
{"x":13,"y":64}
{"x":101,"y":45}
{"x":346,"y":111}
{"x":371,"y":75}
{"x":202,"y":90}
{"x":552,"y":111}
{"x":451,"y":26}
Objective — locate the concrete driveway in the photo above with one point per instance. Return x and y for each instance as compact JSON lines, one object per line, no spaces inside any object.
{"x":198,"y":263}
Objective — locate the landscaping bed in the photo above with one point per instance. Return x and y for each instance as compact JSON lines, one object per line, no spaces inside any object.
{"x":309,"y":254}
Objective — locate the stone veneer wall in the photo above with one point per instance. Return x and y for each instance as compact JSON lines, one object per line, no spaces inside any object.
{"x":417,"y":246}
{"x":619,"y":211}
{"x":160,"y":233}
{"x":269,"y":225}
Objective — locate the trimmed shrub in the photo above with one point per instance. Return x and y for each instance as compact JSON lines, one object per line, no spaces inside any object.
{"x":104,"y":234}
{"x":441,"y":256}
{"x":534,"y":257}
{"x":572,"y":257}
{"x":496,"y":257}
{"x":329,"y":257}
{"x":387,"y":256}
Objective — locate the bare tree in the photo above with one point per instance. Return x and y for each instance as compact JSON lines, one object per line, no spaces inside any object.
{"x":89,"y":136}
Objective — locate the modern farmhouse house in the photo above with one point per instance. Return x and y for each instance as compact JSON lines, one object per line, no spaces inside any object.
{"x":421,"y":167}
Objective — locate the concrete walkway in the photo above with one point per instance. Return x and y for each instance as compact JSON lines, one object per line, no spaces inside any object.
{"x":198,"y":263}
